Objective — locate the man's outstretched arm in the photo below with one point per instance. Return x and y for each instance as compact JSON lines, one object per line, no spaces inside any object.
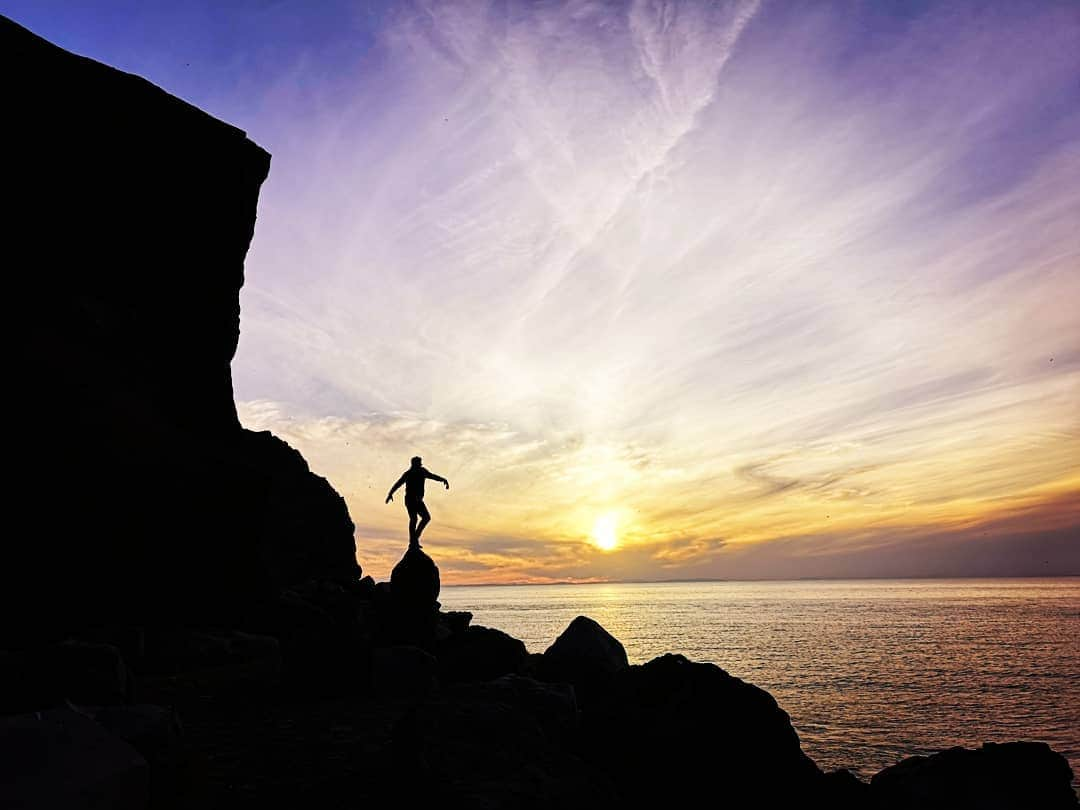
{"x":435,"y":477}
{"x":394,"y":488}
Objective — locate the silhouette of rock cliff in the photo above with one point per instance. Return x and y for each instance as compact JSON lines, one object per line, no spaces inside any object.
{"x":137,"y":491}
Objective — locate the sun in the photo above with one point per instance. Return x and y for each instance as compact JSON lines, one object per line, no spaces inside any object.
{"x":604,"y":532}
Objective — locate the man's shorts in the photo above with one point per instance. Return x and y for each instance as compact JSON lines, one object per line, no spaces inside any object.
{"x":416,"y":507}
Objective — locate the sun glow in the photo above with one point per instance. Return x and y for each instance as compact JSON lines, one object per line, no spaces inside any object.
{"x":604,"y":532}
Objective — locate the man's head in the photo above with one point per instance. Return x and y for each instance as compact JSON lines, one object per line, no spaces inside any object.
{"x":416,"y":461}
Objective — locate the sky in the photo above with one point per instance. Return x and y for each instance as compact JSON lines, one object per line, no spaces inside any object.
{"x":742,"y":289}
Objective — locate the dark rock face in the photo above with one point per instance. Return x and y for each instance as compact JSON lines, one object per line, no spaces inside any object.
{"x":480,"y":654}
{"x":153,"y":731}
{"x":181,"y":663}
{"x":552,"y":705}
{"x":404,"y":671}
{"x":318,"y":641}
{"x":585,"y":655}
{"x":414,"y":583}
{"x":61,"y":758}
{"x":994,"y":777}
{"x":672,"y":730}
{"x":494,"y":748}
{"x":139,"y":494}
{"x":195,"y":651}
{"x":306,"y":529}
{"x":70,"y":671}
{"x":456,"y":621}
{"x":841,"y":790}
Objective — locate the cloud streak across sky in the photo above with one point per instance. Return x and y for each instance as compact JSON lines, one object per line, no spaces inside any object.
{"x":790,"y":288}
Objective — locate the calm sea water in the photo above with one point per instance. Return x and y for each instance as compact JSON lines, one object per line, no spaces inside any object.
{"x":870,"y":671}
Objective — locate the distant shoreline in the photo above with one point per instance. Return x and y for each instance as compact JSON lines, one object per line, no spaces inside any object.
{"x":787,"y":579}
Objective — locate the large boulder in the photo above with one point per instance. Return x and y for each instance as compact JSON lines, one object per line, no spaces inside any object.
{"x":414,"y":584}
{"x":156,"y":733}
{"x":1010,"y":776}
{"x":585,"y":654}
{"x":62,"y":758}
{"x":480,"y":654}
{"x":672,"y":730}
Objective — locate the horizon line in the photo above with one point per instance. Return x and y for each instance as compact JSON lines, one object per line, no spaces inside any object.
{"x":680,"y":580}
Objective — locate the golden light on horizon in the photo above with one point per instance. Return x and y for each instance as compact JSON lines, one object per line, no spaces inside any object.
{"x":605,"y":531}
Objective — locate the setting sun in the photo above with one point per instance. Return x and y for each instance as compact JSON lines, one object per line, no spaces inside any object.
{"x":604,"y":531}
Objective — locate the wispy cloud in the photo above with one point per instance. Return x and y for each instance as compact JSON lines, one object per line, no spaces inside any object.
{"x":737,"y":273}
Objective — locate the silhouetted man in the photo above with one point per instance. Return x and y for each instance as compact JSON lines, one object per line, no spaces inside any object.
{"x":413,"y":479}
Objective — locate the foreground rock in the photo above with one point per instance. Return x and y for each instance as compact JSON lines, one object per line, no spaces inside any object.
{"x":1011,"y":776}
{"x":415,"y":583}
{"x":62,"y":758}
{"x":49,"y":675}
{"x":413,"y":600}
{"x":180,"y":664}
{"x":585,"y":654}
{"x":480,"y":654}
{"x":153,"y":731}
{"x":672,"y":730}
{"x":497,"y":747}
{"x":404,"y":672}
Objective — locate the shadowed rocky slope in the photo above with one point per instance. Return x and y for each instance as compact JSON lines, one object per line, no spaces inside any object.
{"x":137,"y":491}
{"x":184,"y":622}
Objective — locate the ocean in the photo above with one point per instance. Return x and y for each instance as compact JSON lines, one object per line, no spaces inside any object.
{"x":870,"y":671}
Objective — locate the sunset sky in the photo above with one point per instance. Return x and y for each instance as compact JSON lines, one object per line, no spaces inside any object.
{"x":750,"y":289}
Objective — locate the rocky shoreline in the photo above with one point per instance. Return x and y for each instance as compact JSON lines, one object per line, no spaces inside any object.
{"x":184,"y":622}
{"x":344,"y":692}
